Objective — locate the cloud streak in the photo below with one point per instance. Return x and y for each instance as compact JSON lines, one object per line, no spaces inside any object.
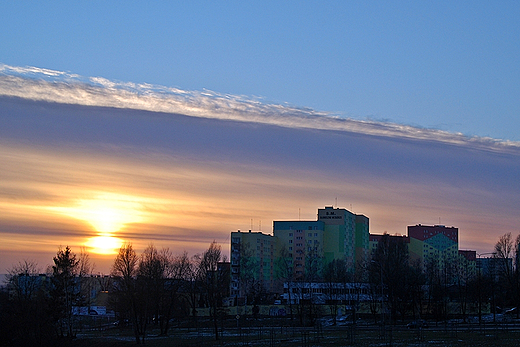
{"x":61,"y":87}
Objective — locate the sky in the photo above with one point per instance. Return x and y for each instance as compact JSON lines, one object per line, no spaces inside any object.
{"x":177,"y":123}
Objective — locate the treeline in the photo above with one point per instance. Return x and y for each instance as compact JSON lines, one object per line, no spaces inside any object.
{"x":156,"y":286}
{"x":447,"y":285}
{"x":145,"y":289}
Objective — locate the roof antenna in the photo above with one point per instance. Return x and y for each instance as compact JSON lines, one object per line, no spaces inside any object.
{"x":299,"y":214}
{"x":336,"y":202}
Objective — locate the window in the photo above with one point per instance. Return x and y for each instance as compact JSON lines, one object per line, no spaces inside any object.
{"x":290,"y":234}
{"x":290,"y":241}
{"x":290,"y":248}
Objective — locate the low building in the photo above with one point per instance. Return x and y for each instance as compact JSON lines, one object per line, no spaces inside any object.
{"x":326,"y":293}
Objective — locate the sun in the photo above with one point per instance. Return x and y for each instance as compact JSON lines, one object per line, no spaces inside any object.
{"x":104,"y":244}
{"x":107,"y":213}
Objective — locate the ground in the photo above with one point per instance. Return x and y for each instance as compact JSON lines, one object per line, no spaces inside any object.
{"x":282,"y":332}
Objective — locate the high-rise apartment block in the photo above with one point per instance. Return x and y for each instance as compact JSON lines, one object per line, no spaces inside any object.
{"x":336,"y":234}
{"x":260,"y":250}
{"x":433,"y":243}
{"x":297,"y":241}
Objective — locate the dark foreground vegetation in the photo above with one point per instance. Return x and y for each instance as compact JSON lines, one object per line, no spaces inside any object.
{"x":162,"y":299}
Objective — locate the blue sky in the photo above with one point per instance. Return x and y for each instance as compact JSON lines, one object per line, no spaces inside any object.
{"x":178,"y":122}
{"x":449,"y":65}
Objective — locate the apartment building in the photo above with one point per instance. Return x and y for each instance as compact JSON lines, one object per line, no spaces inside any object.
{"x":433,"y":243}
{"x":252,"y":251}
{"x":336,"y":234}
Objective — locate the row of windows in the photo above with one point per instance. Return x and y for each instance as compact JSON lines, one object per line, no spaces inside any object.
{"x":309,"y":228}
{"x":308,"y":235}
{"x":342,"y":291}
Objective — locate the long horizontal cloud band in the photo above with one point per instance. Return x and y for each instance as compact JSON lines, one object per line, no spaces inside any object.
{"x":61,"y":87}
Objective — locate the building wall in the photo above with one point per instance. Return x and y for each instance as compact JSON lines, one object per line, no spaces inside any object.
{"x":340,"y":235}
{"x":262,"y":249}
{"x":297,"y":239}
{"x":362,"y":238}
{"x":337,"y":234}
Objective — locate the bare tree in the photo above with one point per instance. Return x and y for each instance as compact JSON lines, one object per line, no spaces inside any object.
{"x":86,"y":282}
{"x":178,"y":269}
{"x":29,"y":320}
{"x":436,"y":287}
{"x":213,"y":281}
{"x":22,"y":278}
{"x":307,"y":308}
{"x":151,"y":276}
{"x":390,"y":269}
{"x":507,"y":255}
{"x":193,"y":285}
{"x":284,"y":272}
{"x":504,"y":252}
{"x":335,"y":278}
{"x":124,"y":272}
{"x":85,"y":267}
{"x":250,"y":276}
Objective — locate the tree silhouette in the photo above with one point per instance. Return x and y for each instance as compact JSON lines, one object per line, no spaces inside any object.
{"x":124,"y":272}
{"x":66,"y":290}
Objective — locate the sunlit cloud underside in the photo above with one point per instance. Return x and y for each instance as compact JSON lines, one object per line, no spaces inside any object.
{"x":89,"y":162}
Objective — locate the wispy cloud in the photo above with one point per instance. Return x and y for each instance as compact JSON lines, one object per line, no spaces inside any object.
{"x":62,"y":87}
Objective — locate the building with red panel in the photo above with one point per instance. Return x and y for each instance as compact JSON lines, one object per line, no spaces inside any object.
{"x":433,"y":244}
